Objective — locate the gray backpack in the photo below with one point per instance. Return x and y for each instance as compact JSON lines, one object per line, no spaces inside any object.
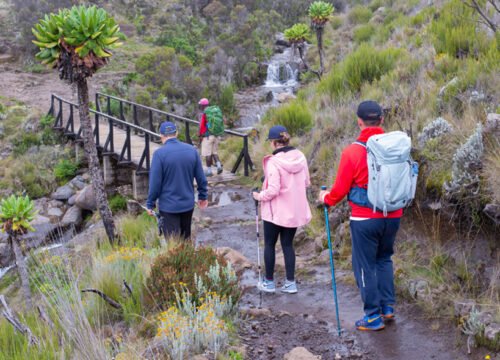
{"x":392,"y":173}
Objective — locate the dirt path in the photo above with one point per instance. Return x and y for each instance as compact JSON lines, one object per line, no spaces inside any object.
{"x":35,"y":89}
{"x":308,"y":318}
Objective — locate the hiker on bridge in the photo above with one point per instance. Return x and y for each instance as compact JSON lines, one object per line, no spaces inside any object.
{"x":373,"y":231}
{"x":211,"y":130}
{"x":284,"y":205}
{"x":174,"y":167}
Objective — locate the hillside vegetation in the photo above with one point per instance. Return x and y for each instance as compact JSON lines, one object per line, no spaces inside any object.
{"x":435,"y":70}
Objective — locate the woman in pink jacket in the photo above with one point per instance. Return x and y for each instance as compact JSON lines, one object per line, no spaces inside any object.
{"x":284,"y":205}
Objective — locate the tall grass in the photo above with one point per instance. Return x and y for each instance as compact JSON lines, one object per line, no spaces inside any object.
{"x":364,"y":65}
{"x":359,"y":15}
{"x":295,"y":116}
{"x":455,"y":31}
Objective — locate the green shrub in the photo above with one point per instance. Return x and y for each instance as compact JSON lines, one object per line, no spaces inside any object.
{"x":364,"y":65}
{"x":359,"y":15}
{"x":455,"y":31}
{"x":24,"y":142}
{"x":65,"y":170}
{"x":228,"y":105}
{"x":375,"y":4}
{"x":295,"y":116}
{"x":117,"y":203}
{"x":336,"y":22}
{"x":180,"y":267}
{"x":363,"y":33}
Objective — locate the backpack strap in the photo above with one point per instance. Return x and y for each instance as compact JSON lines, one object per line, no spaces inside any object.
{"x":363,"y":144}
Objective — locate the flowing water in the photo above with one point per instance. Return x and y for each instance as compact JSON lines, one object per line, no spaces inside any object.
{"x":282,"y":78}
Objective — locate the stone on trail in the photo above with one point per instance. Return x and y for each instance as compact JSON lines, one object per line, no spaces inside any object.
{"x":63,"y":193}
{"x":86,"y":199}
{"x":300,"y":353}
{"x":255,"y":312}
{"x":235,"y":258}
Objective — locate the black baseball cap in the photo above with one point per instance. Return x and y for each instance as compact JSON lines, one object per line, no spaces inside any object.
{"x":369,"y":110}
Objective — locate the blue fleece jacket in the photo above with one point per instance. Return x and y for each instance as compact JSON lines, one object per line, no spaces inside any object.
{"x":173,"y":168}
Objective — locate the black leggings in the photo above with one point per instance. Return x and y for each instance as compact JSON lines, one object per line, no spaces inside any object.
{"x":271,"y":233}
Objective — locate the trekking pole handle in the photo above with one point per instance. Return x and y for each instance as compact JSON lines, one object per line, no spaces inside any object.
{"x":256,"y":189}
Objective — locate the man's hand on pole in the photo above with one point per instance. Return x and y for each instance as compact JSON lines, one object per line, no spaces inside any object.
{"x":151,"y":212}
{"x":322,"y":194}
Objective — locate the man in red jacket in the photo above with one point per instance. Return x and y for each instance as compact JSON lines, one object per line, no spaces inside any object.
{"x":372,"y":233}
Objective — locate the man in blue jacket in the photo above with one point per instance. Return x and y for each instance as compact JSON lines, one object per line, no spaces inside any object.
{"x":174,"y":167}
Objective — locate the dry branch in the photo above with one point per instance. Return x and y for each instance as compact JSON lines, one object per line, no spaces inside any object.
{"x":18,"y":325}
{"x":105,"y":297}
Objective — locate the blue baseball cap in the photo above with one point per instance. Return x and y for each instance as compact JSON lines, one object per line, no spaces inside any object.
{"x":275,"y":132}
{"x":168,"y":128}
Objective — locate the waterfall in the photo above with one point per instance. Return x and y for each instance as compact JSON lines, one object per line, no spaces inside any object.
{"x":281,"y":72}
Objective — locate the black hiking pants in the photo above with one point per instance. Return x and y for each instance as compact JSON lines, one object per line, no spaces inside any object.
{"x":177,"y":224}
{"x":286,"y":235}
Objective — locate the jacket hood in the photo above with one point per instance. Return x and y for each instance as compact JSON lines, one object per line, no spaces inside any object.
{"x":292,"y":161}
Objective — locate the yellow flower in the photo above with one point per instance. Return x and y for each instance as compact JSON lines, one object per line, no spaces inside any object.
{"x":487,"y":357}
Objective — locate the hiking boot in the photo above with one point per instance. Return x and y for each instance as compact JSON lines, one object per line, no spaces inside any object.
{"x":267,"y":286}
{"x":289,"y":287}
{"x":208,"y":172}
{"x":370,"y":323}
{"x":388,"y":312}
{"x":219,"y":170}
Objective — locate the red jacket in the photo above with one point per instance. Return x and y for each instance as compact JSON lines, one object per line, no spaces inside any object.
{"x":353,"y":171}
{"x":203,"y":125}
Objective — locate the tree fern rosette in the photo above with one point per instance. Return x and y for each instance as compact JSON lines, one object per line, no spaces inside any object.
{"x":77,"y":41}
{"x":320,"y":12}
{"x":16,"y":213}
{"x":297,"y":34}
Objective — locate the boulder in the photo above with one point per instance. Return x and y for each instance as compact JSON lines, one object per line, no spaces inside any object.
{"x":492,"y":124}
{"x":300,"y":353}
{"x":281,"y":40}
{"x":55,"y":213}
{"x":72,"y":200}
{"x":285,"y":97}
{"x":6,"y":255}
{"x":72,"y":217}
{"x":86,"y":199}
{"x":63,"y":193}
{"x":78,"y":183}
{"x":44,"y":228}
{"x":493,"y":212}
{"x":492,"y":332}
{"x":235,"y":258}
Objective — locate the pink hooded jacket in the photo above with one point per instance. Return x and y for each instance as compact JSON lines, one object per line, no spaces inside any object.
{"x":283,"y":198}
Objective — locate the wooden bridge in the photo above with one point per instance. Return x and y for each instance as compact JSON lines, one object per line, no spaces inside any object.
{"x":126,"y":132}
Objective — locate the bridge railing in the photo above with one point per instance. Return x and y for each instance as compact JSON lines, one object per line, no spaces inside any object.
{"x":108,"y":146}
{"x":151,"y":118}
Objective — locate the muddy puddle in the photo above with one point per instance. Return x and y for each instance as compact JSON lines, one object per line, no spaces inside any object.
{"x":308,"y":318}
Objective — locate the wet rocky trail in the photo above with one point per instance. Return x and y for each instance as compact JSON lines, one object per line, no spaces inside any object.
{"x":307,"y":319}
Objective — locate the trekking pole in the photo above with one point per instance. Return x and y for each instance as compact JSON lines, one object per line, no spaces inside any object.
{"x":332,"y":266}
{"x":158,"y":217}
{"x":258,"y":246}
